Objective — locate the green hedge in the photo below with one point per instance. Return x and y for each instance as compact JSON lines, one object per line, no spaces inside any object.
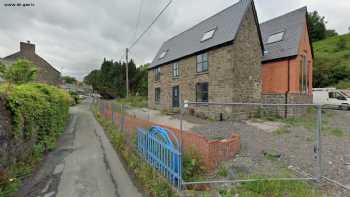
{"x":39,"y":111}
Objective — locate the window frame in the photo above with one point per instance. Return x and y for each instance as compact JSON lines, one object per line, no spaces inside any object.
{"x":200,"y":92}
{"x":208,"y":35}
{"x":303,"y":75}
{"x":163,"y":54}
{"x":157,"y":93}
{"x":175,"y":70}
{"x":157,"y":74}
{"x":268,"y":41}
{"x":200,"y":62}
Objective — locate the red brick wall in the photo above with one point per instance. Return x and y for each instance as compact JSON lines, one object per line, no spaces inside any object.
{"x":212,"y":152}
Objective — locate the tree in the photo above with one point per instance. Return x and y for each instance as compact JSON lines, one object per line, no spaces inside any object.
{"x":69,"y":80}
{"x":341,"y":44}
{"x":317,"y":25}
{"x":22,"y":71}
{"x":110,"y":80}
{"x":331,"y":33}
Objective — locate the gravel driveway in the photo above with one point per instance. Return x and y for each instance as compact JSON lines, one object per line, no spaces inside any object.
{"x":265,"y":145}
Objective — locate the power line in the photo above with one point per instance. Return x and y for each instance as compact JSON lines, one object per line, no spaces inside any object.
{"x":149,"y":27}
{"x":138,"y":19}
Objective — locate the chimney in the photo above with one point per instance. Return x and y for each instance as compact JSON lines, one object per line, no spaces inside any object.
{"x":27,"y":47}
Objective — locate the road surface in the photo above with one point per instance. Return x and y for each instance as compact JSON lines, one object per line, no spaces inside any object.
{"x":83,"y":165}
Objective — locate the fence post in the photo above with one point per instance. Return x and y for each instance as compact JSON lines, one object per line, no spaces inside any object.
{"x":318,"y":143}
{"x":121,"y":118}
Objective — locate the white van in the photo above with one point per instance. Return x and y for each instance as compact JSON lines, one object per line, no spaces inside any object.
{"x":331,"y":97}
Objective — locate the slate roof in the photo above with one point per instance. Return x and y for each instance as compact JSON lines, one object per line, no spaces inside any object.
{"x":293,"y":24}
{"x":226,"y":22}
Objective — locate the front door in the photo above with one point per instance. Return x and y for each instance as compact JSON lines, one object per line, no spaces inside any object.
{"x":176,"y":96}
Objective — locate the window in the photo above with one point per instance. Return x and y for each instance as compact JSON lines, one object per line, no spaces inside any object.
{"x":202,"y":62}
{"x":336,"y":95}
{"x":175,"y":70}
{"x":157,"y":74}
{"x":202,"y":92}
{"x":207,"y":35}
{"x":275,"y":37}
{"x":163,"y":54}
{"x":303,"y":75}
{"x":157,"y":95}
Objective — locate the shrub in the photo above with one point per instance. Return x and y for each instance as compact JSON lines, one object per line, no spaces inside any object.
{"x":38,"y":110}
{"x":38,"y":114}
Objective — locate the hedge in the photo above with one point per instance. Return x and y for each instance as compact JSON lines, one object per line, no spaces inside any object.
{"x":38,"y":113}
{"x":38,"y":110}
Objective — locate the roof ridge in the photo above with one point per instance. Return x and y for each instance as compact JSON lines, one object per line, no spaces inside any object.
{"x":284,"y":15}
{"x":212,"y":16}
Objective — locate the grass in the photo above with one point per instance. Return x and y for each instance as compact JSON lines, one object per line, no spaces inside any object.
{"x":272,"y":189}
{"x":308,"y":121}
{"x":336,"y":132}
{"x":133,"y":101}
{"x":222,"y":171}
{"x":282,"y":130}
{"x":151,"y":181}
{"x":328,"y":50}
{"x":328,"y":55}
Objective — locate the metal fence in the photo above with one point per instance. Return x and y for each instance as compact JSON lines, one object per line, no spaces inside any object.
{"x":249,"y":120}
{"x":303,"y":126}
{"x":160,"y":152}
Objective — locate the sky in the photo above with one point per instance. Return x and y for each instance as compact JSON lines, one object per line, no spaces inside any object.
{"x":75,"y":36}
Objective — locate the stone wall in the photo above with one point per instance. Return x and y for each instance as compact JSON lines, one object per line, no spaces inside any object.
{"x":287,"y":111}
{"x":234,"y":74}
{"x":46,"y":73}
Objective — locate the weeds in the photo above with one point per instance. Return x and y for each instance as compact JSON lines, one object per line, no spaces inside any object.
{"x":222,"y":171}
{"x":153,"y":183}
{"x":272,"y":189}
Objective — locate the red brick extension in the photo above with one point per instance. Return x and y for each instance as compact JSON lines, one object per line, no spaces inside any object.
{"x":212,"y":152}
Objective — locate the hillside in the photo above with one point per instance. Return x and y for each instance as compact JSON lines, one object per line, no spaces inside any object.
{"x":332,"y":62}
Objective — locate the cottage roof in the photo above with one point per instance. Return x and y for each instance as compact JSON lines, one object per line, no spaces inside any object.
{"x":225,"y":25}
{"x":292,"y":25}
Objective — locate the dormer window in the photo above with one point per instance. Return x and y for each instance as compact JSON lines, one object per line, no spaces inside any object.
{"x":275,"y":37}
{"x":163,"y":54}
{"x":208,"y":35}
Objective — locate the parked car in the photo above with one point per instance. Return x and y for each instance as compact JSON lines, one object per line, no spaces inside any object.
{"x":331,"y":97}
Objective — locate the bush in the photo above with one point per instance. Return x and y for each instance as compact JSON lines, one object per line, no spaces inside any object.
{"x":38,"y":110}
{"x":39,"y":113}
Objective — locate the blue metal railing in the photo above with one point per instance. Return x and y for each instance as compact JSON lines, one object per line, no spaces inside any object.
{"x":161,"y":152}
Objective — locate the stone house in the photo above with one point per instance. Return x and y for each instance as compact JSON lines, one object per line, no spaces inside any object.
{"x":46,"y":73}
{"x":288,"y":60}
{"x":217,"y":60}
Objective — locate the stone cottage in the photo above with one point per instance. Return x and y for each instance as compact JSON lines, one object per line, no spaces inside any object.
{"x":217,"y":60}
{"x":46,"y":73}
{"x":288,"y":60}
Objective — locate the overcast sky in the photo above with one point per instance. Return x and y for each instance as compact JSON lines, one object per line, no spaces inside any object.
{"x":75,"y":36}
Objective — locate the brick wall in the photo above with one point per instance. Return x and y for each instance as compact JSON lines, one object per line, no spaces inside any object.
{"x":212,"y":152}
{"x":233,"y":74}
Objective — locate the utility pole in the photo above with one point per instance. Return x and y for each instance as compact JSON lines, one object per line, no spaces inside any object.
{"x":127,"y":73}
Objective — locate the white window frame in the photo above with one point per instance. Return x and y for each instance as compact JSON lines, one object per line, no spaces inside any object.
{"x":163,"y":54}
{"x":201,"y":62}
{"x":208,"y":35}
{"x":175,"y":70}
{"x":276,"y":37}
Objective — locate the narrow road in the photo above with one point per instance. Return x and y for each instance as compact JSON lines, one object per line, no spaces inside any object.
{"x":83,"y":165}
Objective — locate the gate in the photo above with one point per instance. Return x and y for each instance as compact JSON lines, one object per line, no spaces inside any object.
{"x":162,"y":152}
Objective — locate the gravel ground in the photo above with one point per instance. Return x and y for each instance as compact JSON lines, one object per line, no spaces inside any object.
{"x":263,"y":150}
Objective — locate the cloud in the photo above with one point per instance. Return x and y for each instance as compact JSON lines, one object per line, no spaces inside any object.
{"x":75,"y":36}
